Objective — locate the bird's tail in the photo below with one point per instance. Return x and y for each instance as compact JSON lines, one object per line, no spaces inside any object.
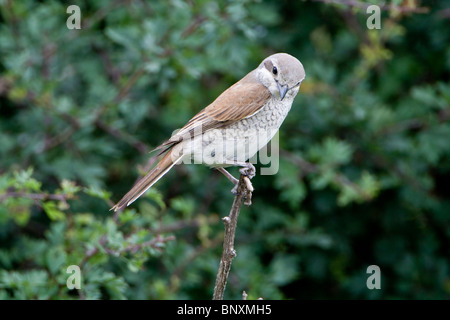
{"x":163,"y":166}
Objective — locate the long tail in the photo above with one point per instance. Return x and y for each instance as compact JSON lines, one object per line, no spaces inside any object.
{"x":163,"y":166}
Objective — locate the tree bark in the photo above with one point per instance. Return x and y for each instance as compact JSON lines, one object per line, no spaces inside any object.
{"x":244,"y":191}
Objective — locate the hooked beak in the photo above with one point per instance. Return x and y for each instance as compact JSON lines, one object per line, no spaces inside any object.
{"x":282,"y":89}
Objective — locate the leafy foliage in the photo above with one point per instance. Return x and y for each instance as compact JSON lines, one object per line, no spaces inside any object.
{"x":364,"y":151}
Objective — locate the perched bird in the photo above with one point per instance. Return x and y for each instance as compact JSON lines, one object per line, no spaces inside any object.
{"x":229,"y":131}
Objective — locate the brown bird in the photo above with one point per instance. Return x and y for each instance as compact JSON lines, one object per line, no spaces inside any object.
{"x":229,"y":131}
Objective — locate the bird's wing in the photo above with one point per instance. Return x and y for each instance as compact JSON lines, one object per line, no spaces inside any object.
{"x":242,"y":100}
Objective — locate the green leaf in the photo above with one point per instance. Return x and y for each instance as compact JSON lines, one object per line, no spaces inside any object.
{"x":184,"y":205}
{"x":331,"y":152}
{"x":97,"y":192}
{"x":23,"y":180}
{"x":52,"y":211}
{"x":56,"y":259}
{"x":69,"y":188}
{"x":157,"y":197}
{"x":284,"y":269}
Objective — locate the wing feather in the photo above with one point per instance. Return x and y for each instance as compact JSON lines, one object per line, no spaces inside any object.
{"x":242,"y":100}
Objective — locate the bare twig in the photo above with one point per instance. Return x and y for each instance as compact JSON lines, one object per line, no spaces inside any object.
{"x":100,"y":14}
{"x":444,"y":13}
{"x":34,"y":196}
{"x":197,"y":21}
{"x":244,"y":191}
{"x":140,"y":146}
{"x":113,"y":73}
{"x":183,"y":224}
{"x":155,"y":243}
{"x":339,"y":179}
{"x":420,"y":123}
{"x":197,"y":252}
{"x":48,"y":51}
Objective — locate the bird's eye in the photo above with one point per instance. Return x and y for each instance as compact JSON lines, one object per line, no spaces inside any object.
{"x":275,"y":70}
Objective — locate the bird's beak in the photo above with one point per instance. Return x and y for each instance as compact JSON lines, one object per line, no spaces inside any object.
{"x":282,"y":89}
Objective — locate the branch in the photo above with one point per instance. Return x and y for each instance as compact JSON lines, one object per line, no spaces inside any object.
{"x":34,"y":196}
{"x":308,"y":167}
{"x":198,"y":20}
{"x":154,"y":243}
{"x":132,"y":248}
{"x":244,"y":191}
{"x":183,"y":224}
{"x":140,"y":146}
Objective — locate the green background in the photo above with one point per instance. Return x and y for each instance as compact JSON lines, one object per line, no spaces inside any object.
{"x":364,"y":152}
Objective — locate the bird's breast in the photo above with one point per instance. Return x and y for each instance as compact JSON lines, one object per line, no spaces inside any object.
{"x":240,"y":140}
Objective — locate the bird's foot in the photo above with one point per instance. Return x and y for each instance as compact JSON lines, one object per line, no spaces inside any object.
{"x":248,"y":170}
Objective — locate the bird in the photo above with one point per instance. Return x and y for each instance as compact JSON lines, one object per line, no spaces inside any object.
{"x":236,"y":125}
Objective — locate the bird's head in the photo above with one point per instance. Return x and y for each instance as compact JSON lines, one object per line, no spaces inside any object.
{"x":282,"y":74}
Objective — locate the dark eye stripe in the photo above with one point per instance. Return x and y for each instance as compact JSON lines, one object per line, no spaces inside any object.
{"x":268,"y":64}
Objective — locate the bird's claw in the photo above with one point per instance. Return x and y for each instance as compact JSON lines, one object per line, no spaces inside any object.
{"x":249,"y":170}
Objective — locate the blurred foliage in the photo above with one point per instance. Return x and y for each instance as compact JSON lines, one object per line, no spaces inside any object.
{"x":364,"y":166}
